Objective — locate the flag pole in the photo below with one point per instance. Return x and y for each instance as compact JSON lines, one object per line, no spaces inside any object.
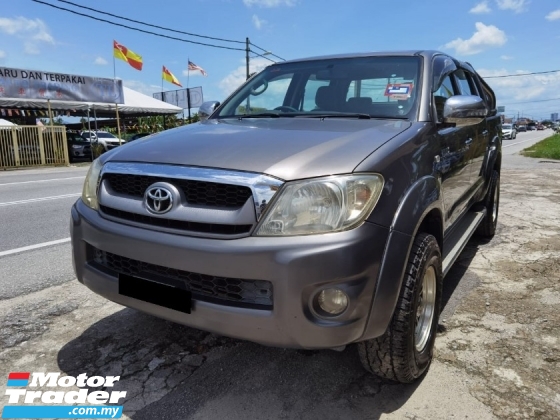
{"x":118,"y":124}
{"x":162,"y":98}
{"x":188,"y":91}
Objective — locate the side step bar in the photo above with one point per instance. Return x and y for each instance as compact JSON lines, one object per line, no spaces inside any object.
{"x":454,"y":244}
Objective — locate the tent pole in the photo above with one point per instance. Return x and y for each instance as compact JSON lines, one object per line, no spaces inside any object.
{"x":118,"y":123}
{"x":50,"y":112}
{"x":90,"y":137}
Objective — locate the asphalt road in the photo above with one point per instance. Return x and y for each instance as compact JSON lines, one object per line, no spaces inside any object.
{"x":34,"y":239}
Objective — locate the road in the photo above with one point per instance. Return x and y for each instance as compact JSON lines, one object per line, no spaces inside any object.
{"x":50,"y":322}
{"x":34,"y":237}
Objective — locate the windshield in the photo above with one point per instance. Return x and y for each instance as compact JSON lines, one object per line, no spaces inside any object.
{"x":383,"y":87}
{"x":506,"y":126}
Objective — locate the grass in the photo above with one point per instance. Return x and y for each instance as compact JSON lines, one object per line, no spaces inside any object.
{"x":548,"y":148}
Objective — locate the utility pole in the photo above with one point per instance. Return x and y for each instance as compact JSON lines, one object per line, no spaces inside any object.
{"x":247,"y":56}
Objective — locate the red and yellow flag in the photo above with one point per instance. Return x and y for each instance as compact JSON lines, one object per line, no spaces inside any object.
{"x":124,"y":54}
{"x":167,"y":75}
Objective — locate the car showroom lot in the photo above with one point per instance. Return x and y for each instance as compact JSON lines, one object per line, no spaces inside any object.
{"x":496,"y":354}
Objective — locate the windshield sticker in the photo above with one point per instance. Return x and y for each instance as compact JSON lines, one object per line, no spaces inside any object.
{"x":398,"y":90}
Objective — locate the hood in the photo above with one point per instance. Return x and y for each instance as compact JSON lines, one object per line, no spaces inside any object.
{"x":286,"y":148}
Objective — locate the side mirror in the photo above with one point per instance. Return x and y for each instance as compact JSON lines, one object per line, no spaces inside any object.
{"x":463,"y":110}
{"x":206,"y":109}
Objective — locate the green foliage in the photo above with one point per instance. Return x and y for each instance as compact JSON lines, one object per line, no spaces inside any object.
{"x":97,"y":150}
{"x":548,"y":148}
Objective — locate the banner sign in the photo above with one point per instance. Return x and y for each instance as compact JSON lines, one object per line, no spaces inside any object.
{"x":31,"y":84}
{"x":179,"y":97}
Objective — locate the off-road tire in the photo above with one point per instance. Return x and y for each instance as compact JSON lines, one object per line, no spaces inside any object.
{"x":394,"y":355}
{"x":491,"y":202}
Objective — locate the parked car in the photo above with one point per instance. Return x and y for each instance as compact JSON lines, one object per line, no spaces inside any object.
{"x":104,"y":138}
{"x":540,"y":127}
{"x":508,"y":131}
{"x":521,"y":128}
{"x":320,"y":205}
{"x":79,"y":148}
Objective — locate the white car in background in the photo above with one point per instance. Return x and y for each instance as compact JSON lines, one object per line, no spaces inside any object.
{"x":104,"y":138}
{"x":508,"y":131}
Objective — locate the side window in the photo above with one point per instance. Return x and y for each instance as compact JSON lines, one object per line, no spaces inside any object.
{"x":465,"y":83}
{"x":446,"y":88}
{"x":443,"y":92}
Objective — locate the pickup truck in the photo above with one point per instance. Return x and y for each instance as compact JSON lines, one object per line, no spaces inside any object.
{"x":320,"y":205}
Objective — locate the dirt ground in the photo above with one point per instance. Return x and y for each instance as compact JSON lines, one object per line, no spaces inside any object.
{"x":506,"y":332}
{"x":497,"y":353}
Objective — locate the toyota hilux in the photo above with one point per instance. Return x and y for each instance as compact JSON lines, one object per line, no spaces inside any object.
{"x":320,"y":205}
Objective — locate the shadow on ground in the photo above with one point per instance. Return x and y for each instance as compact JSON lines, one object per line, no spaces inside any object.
{"x":173,"y":372}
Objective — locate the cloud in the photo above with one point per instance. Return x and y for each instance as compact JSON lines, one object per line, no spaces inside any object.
{"x":517,"y":6}
{"x":238,"y":76}
{"x":258,"y":22}
{"x":480,"y":8}
{"x":2,"y":54}
{"x":554,"y":15}
{"x":33,"y":32}
{"x":269,"y":3}
{"x":486,"y":36}
{"x":506,"y":57}
{"x":518,"y":93}
{"x":100,"y":61}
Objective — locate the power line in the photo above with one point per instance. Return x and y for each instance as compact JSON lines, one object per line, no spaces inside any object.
{"x":137,"y":29}
{"x":149,"y":24}
{"x":262,"y":49}
{"x":521,"y":74}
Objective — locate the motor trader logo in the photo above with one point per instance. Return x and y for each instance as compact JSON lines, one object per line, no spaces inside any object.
{"x":26,"y":391}
{"x":158,"y":199}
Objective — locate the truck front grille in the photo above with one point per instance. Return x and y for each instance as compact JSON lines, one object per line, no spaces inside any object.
{"x":184,"y":225}
{"x":256,"y":294}
{"x":210,"y":194}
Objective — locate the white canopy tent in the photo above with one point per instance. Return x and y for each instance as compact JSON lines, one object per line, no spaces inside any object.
{"x":135,"y":104}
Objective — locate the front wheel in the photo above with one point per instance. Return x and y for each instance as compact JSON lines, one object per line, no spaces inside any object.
{"x":405,"y":351}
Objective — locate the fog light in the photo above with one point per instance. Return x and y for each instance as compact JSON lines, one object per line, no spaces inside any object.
{"x":333,"y":301}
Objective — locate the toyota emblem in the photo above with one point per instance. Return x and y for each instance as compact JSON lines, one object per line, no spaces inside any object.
{"x":158,"y":199}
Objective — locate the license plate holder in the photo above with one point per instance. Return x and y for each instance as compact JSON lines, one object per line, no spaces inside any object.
{"x":156,"y":293}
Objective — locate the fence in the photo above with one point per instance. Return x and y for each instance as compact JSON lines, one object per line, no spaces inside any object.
{"x":32,"y":145}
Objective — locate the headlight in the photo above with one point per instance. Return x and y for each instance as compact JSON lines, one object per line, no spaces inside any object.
{"x":89,"y":193}
{"x":321,"y":205}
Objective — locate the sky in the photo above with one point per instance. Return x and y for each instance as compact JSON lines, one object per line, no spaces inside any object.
{"x":498,"y":37}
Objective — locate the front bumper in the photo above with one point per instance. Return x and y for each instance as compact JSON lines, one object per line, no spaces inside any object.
{"x":297,"y":267}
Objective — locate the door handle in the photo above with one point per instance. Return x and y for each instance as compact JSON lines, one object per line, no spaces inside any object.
{"x":468,"y":141}
{"x":485,"y":133}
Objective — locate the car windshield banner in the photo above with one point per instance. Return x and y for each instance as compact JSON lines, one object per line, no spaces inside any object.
{"x":32,"y":84}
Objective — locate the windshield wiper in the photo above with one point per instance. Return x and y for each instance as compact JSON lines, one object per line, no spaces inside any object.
{"x":260,"y":115}
{"x":341,"y":115}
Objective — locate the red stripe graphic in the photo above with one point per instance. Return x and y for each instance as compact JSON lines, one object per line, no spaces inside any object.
{"x":19,"y":375}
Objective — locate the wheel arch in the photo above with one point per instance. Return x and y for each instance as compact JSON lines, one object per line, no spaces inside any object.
{"x":419,"y":211}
